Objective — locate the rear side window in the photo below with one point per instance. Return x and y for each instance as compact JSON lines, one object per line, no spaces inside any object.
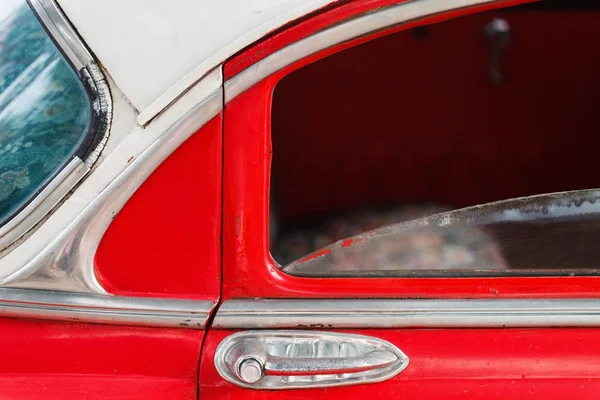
{"x":381,"y":150}
{"x":44,"y":109}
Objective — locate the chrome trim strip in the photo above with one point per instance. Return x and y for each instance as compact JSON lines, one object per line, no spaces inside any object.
{"x":61,"y":306}
{"x":348,"y":30}
{"x":49,"y":197}
{"x":61,"y":30}
{"x":354,"y":313}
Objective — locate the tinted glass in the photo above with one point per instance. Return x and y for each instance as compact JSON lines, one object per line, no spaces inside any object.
{"x":44,"y":109}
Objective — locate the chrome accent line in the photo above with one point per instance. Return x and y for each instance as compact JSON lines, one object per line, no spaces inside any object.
{"x":354,"y":313}
{"x":305,"y":359}
{"x":49,"y":197}
{"x":345,"y":31}
{"x":61,"y":306}
{"x":63,"y":33}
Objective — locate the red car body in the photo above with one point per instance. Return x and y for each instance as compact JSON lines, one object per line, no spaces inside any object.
{"x":197,"y":229}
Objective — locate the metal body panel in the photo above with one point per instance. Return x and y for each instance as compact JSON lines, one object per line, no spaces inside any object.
{"x":176,"y":253}
{"x":76,"y":360}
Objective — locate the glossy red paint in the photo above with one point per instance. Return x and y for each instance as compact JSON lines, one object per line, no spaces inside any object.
{"x":249,"y":270}
{"x":166,"y":239}
{"x":456,"y":364}
{"x":73,"y":361}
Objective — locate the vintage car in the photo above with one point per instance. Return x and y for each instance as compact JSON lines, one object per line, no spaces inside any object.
{"x":299,"y":199}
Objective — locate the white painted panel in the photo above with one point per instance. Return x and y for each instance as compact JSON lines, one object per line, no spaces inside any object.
{"x":155,"y":49}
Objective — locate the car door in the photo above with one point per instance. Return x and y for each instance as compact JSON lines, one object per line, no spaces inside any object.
{"x":340,"y":322}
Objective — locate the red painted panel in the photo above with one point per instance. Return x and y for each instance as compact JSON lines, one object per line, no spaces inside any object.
{"x":456,"y":364}
{"x":249,"y":270}
{"x":65,"y":361}
{"x":166,"y":239}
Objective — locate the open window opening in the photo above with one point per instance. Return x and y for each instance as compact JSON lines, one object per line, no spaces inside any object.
{"x":488,"y":107}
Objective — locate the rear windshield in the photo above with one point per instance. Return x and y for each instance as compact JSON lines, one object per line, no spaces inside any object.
{"x":44,"y":108}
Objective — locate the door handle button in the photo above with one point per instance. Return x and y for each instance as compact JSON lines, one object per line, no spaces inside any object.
{"x":250,"y":370}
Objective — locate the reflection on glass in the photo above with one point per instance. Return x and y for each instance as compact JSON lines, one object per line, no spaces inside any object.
{"x":44,"y":110}
{"x":547,"y":232}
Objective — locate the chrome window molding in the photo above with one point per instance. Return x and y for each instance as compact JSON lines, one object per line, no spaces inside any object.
{"x":59,"y":306}
{"x":354,"y":313}
{"x":345,"y":31}
{"x":88,"y":152}
{"x":51,"y":195}
{"x":62,"y":32}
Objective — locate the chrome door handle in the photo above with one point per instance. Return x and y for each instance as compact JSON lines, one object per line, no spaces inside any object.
{"x":303,"y":359}
{"x":281,"y":366}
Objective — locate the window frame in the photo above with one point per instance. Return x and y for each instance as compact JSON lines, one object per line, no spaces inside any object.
{"x":72,"y":171}
{"x":249,"y":269}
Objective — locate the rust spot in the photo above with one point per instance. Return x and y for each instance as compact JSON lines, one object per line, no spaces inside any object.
{"x":130,"y":158}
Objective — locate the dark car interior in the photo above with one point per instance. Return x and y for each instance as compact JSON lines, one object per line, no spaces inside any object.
{"x":477,"y":109}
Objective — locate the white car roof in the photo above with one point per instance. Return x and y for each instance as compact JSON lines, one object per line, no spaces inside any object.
{"x":155,"y":49}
